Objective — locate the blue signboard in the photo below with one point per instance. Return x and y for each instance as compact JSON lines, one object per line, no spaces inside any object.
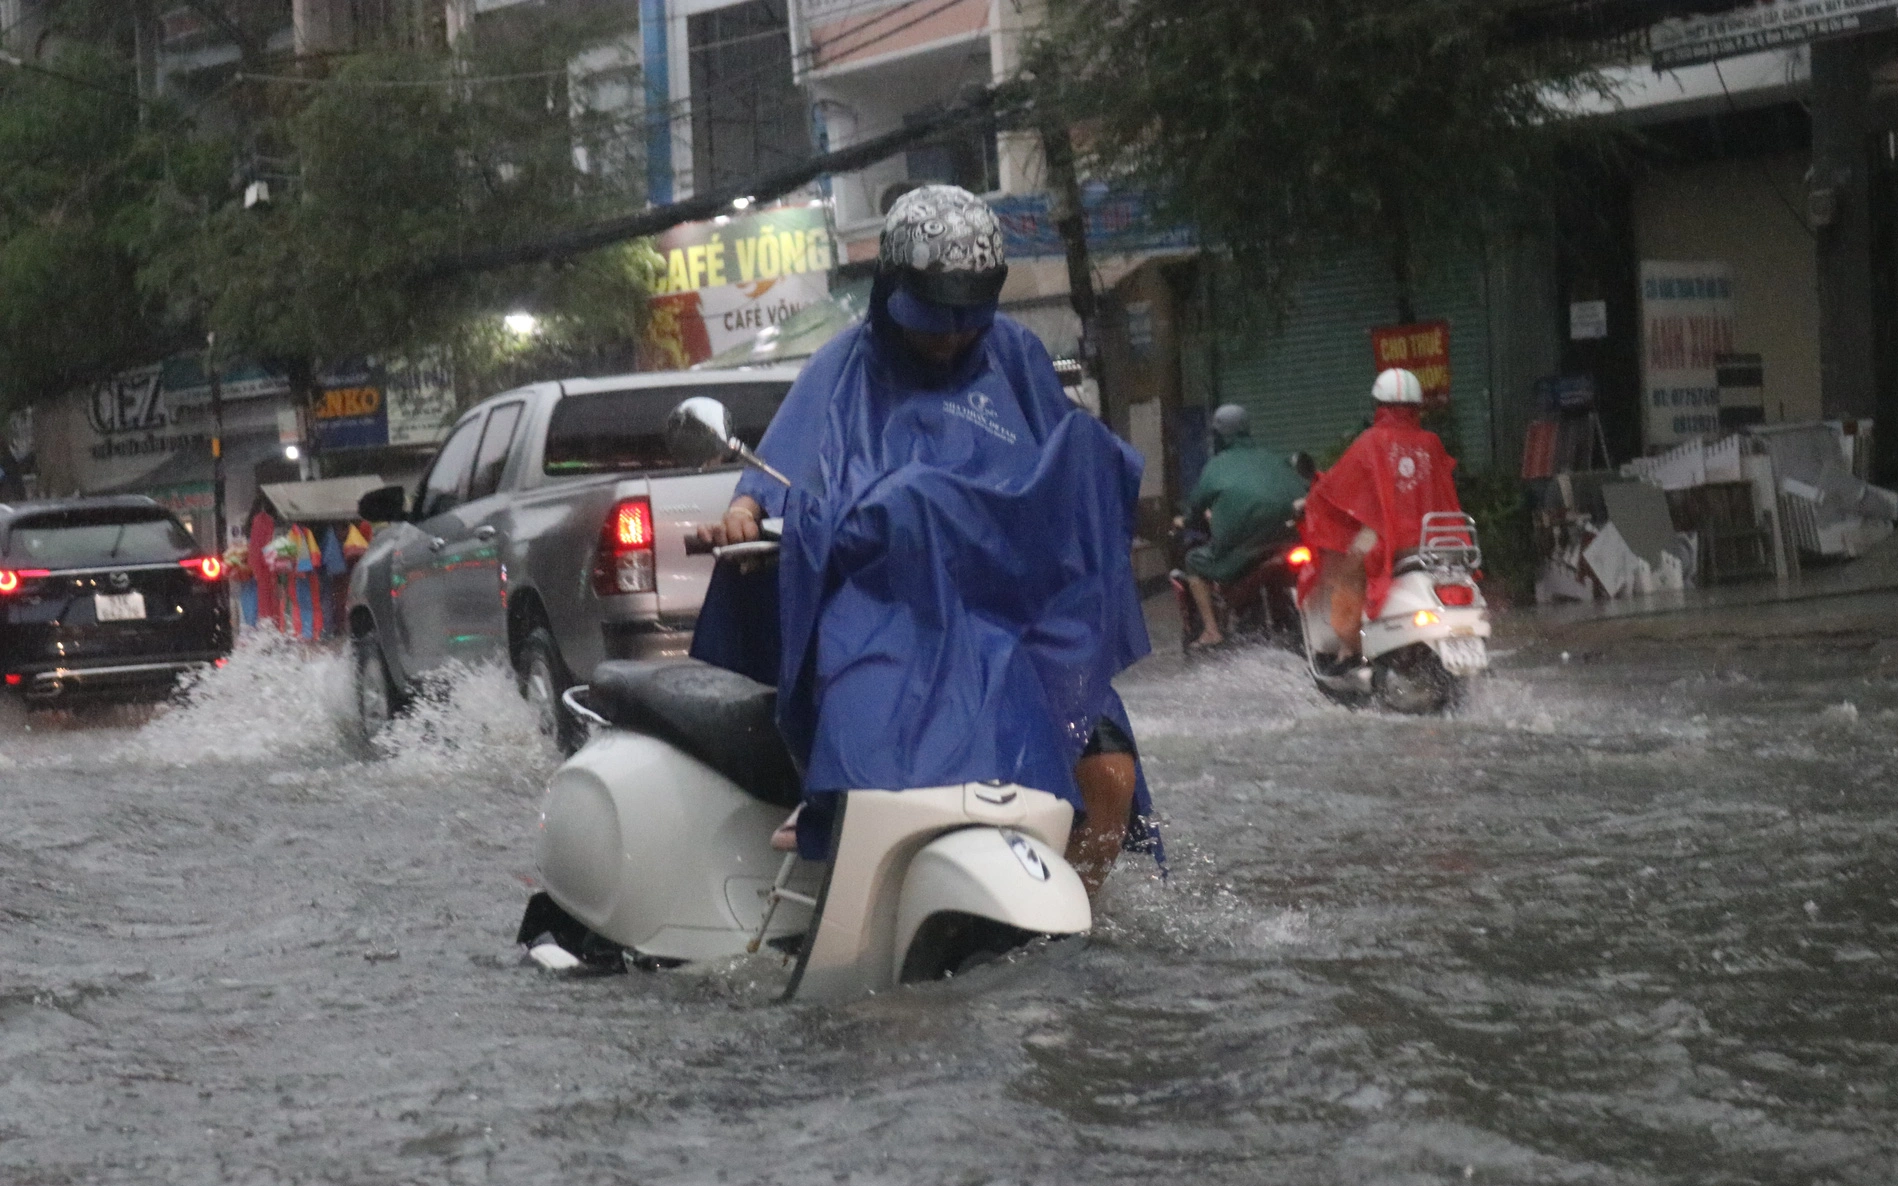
{"x":353,"y":417}
{"x":1116,"y":221}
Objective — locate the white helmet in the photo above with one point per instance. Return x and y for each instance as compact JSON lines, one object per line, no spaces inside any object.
{"x":1397,"y":386}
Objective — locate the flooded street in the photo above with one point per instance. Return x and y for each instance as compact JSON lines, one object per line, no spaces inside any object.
{"x":1632,"y":919}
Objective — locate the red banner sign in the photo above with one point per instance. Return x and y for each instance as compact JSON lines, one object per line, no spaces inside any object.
{"x":1423,"y":350}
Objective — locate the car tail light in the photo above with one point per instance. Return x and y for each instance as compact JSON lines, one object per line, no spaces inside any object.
{"x":1456,"y":595}
{"x":14,"y":678}
{"x":208,"y":568}
{"x":1298,"y":557}
{"x":624,"y":563}
{"x":12,"y":578}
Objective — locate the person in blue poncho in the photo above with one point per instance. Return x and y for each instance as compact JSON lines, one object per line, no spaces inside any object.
{"x":955,"y":589}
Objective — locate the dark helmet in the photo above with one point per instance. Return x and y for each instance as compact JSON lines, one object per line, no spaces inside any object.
{"x":942,"y":251}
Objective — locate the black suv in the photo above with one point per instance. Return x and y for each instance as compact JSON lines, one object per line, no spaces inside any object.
{"x":105,"y":598}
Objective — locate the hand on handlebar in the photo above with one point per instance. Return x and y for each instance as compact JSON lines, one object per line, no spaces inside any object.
{"x":739,"y":526}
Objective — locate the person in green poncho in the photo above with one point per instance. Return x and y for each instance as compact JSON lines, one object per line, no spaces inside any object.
{"x":1251,"y":497}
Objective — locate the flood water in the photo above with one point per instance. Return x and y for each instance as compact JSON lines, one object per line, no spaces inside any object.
{"x":1632,"y":919}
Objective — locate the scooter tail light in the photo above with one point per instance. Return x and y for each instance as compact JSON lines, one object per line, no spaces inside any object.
{"x":1298,"y":557}
{"x":625,"y":560}
{"x":1456,"y":594}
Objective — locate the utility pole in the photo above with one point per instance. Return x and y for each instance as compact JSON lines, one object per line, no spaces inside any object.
{"x":213,"y":369}
{"x":1070,"y":219}
{"x":1839,"y":204}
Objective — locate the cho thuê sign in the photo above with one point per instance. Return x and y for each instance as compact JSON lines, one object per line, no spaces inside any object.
{"x":1423,"y":349}
{"x":728,"y":279}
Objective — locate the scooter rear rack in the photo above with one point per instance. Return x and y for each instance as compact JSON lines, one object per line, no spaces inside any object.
{"x":1447,"y":543}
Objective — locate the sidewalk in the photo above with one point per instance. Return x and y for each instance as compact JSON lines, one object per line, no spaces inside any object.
{"x":1874,"y":572}
{"x":1858,"y":599}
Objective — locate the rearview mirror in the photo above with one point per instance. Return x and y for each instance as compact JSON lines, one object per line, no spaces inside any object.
{"x":699,"y":432}
{"x":385,"y":504}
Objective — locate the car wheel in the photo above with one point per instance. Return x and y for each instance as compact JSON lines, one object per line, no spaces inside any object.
{"x":542,"y":679}
{"x":376,"y":700}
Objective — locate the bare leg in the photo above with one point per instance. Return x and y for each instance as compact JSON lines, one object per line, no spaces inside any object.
{"x":1208,"y":620}
{"x":1343,"y":580}
{"x":1107,"y":788}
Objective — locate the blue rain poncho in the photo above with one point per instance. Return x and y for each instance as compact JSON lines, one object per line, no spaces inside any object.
{"x":955,"y":590}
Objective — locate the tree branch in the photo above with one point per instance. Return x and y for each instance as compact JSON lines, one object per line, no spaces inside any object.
{"x":247,"y":46}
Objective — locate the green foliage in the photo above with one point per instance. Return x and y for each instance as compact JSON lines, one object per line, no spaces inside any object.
{"x":1285,"y":129}
{"x":71,"y":159}
{"x":124,"y":235}
{"x":1499,"y":504}
{"x":385,"y":166}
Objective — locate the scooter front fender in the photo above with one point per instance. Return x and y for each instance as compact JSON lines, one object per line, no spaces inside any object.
{"x":994,"y":873}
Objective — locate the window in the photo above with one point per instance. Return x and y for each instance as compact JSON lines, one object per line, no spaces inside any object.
{"x":83,"y":538}
{"x":446,"y":486}
{"x":492,"y":458}
{"x":613,"y":431}
{"x":748,"y":116}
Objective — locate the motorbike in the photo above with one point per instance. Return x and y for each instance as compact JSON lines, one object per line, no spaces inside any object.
{"x":655,"y":845}
{"x":1261,"y":605}
{"x":1429,"y":640}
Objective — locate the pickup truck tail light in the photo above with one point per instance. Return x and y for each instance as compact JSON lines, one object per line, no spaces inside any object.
{"x":624,"y":563}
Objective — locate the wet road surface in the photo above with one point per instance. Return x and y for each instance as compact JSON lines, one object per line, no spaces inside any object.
{"x":1632,"y":919}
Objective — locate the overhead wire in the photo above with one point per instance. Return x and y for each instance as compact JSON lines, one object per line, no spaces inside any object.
{"x":1733,"y":107}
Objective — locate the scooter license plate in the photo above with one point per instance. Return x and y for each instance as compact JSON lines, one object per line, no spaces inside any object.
{"x":1463,"y":655}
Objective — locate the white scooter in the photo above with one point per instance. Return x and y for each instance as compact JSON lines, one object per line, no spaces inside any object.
{"x":1428,"y":641}
{"x":656,"y":836}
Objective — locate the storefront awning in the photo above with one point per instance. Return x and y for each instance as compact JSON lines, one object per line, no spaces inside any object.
{"x":324,"y":500}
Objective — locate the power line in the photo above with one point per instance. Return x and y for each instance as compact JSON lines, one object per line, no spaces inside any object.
{"x":980,"y":105}
{"x":372,"y":83}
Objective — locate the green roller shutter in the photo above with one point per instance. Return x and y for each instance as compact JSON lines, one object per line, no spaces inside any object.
{"x":1309,"y":384}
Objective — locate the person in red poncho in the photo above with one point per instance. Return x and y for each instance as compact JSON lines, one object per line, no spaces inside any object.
{"x":1367,"y":510}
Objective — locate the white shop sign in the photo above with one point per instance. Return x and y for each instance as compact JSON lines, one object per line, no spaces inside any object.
{"x":1687,"y":322}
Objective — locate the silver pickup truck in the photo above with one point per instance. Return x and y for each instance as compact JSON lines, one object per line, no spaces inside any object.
{"x":549,"y":532}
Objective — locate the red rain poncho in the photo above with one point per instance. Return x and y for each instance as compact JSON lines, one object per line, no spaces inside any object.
{"x":1394,"y":474}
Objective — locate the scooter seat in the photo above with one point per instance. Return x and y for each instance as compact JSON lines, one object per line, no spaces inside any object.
{"x":719,"y":717}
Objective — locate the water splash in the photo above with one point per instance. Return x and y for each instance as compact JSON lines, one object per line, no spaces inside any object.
{"x":276,"y":698}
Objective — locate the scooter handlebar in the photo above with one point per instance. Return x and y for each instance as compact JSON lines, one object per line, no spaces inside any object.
{"x":768,"y":530}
